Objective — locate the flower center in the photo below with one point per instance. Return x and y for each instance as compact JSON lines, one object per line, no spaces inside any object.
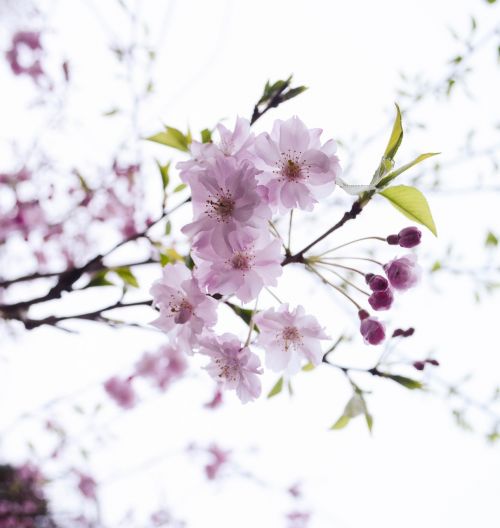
{"x":290,"y":168}
{"x":291,"y":337}
{"x":220,"y":206}
{"x":241,"y":260}
{"x":228,"y":369}
{"x":180,"y":309}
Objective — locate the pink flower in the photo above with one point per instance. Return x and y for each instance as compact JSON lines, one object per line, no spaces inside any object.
{"x":237,"y":142}
{"x":121,"y":391}
{"x":298,"y":519}
{"x":296,"y":168}
{"x":219,"y":459}
{"x":234,"y":144}
{"x":381,"y":299}
{"x":403,"y":273}
{"x":288,"y":337}
{"x":242,"y":268}
{"x":31,"y":41}
{"x":233,"y":366}
{"x":372,"y":330}
{"x":182,"y":304}
{"x":163,"y":367}
{"x":225,"y":198}
{"x":87,"y":486}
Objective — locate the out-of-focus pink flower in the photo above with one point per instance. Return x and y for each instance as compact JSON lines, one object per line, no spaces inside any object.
{"x":121,"y":391}
{"x":225,"y":198}
{"x":163,"y":367}
{"x":216,"y":401}
{"x":220,"y":457}
{"x":242,"y":267}
{"x":403,"y":272}
{"x":182,"y":303}
{"x":87,"y":486}
{"x":296,"y":168}
{"x":233,"y":366}
{"x":298,"y":519}
{"x":289,"y":337}
{"x":30,"y":40}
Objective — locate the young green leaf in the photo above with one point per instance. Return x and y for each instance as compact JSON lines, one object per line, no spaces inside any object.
{"x":164,"y":169}
{"x":277,"y":388}
{"x":394,"y":174}
{"x":340,"y":423}
{"x":412,"y":203}
{"x":171,"y":137}
{"x":99,"y":279}
{"x":396,"y":136}
{"x":409,"y":383}
{"x":127,"y":276}
{"x":180,"y":187}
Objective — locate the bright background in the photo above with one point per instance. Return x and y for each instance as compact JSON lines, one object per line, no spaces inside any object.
{"x":418,"y":468}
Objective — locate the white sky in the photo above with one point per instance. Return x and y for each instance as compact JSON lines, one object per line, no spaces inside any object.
{"x":417,"y":469}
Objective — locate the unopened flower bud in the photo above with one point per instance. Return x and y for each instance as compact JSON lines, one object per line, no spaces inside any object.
{"x":393,"y":240}
{"x":372,"y":330}
{"x":433,"y":362}
{"x":376,"y":282}
{"x":363,"y":314}
{"x":419,"y":365}
{"x":381,"y":300}
{"x":409,"y":237}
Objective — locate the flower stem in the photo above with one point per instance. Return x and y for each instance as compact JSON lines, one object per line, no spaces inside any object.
{"x":340,"y":290}
{"x":352,"y":242}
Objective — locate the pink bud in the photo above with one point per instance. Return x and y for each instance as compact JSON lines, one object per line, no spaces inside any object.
{"x":409,"y":237}
{"x":381,"y":300}
{"x":372,"y":330}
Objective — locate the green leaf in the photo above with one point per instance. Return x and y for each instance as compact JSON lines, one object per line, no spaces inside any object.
{"x":171,"y":138}
{"x":170,"y":255}
{"x":394,"y":174}
{"x":340,"y":423}
{"x":244,"y":313}
{"x":168,"y":227}
{"x":409,"y":383}
{"x":127,"y":276}
{"x":277,"y":388}
{"x":491,"y":240}
{"x":164,"y":170}
{"x":412,"y":203}
{"x":206,"y":136}
{"x":396,"y":136}
{"x":180,"y":188}
{"x":99,"y":279}
{"x":308,"y":367}
{"x":293,"y":92}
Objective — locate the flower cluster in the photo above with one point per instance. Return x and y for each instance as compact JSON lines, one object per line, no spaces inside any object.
{"x":160,"y":369}
{"x":237,"y":184}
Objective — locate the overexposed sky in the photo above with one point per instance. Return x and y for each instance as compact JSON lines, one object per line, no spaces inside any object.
{"x":418,"y":468}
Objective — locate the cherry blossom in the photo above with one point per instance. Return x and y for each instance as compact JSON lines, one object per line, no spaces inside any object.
{"x":121,"y":391}
{"x":162,"y":367}
{"x":242,"y":267}
{"x":289,"y":337}
{"x":182,"y":303}
{"x":232,"y":365}
{"x":296,"y":169}
{"x":225,"y":198}
{"x":403,"y":272}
